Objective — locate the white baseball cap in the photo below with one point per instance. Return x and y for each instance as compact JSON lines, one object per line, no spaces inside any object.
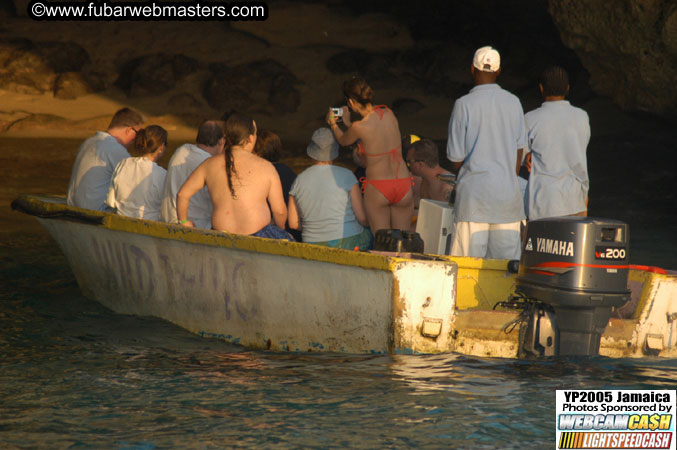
{"x":487,"y":59}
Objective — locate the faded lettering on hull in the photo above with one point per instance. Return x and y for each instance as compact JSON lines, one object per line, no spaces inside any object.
{"x":126,"y":267}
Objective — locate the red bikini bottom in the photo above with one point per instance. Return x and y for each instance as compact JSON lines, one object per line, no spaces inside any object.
{"x":393,"y":190}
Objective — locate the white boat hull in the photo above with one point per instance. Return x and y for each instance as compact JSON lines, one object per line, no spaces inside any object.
{"x":262,"y":299}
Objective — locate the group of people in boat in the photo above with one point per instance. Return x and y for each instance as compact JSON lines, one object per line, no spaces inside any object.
{"x":231,"y":179}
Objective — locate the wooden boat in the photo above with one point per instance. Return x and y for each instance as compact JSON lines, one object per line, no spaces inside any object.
{"x":284,"y":296}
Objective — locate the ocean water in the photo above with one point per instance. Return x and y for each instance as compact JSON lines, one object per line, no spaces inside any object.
{"x":73,"y":374}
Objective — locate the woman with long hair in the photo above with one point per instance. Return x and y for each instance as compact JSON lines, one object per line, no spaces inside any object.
{"x":241,"y":186}
{"x":388,"y":197}
{"x":137,"y":183}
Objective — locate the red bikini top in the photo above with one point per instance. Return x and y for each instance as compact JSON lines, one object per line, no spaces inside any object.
{"x":380,"y":110}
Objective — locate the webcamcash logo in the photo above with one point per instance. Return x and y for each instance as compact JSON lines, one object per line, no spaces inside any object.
{"x":616,"y":419}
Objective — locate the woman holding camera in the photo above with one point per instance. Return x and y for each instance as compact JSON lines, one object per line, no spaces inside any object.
{"x":388,"y":196}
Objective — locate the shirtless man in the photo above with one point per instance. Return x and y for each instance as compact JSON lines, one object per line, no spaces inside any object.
{"x":241,"y":186}
{"x":388,"y":198}
{"x":423,"y":161}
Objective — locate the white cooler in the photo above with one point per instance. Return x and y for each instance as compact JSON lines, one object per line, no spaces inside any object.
{"x":435,"y":225}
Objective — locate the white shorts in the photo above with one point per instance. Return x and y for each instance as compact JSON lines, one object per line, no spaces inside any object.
{"x":487,"y":240}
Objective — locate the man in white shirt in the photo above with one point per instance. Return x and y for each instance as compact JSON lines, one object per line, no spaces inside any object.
{"x":97,"y":158}
{"x":209,"y":142}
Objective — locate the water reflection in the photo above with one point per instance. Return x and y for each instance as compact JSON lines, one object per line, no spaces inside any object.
{"x":74,"y":374}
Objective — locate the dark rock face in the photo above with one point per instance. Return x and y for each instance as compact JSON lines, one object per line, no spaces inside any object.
{"x":629,"y":48}
{"x":63,"y":57}
{"x":264,"y":86}
{"x":283,"y":96}
{"x":23,"y":69}
{"x":7,"y":9}
{"x":71,"y":85}
{"x":39,"y":121}
{"x":154,"y":74}
{"x":407,"y":106}
{"x":382,"y":70}
{"x":435,"y":69}
{"x":185,"y":102}
{"x":34,"y":68}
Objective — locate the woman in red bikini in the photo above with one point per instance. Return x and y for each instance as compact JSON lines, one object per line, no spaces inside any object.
{"x":388,"y":198}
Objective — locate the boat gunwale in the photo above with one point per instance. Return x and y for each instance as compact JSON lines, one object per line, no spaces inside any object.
{"x":54,"y":208}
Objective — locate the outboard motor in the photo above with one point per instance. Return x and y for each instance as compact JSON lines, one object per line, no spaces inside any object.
{"x":578,"y":268}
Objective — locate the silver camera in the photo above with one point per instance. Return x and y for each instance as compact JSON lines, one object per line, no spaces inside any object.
{"x":338,"y":112}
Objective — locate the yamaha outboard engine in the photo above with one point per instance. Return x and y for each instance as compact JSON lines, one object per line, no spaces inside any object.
{"x":578,"y":268}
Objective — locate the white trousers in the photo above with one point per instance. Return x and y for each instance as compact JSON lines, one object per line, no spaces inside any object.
{"x":487,"y":240}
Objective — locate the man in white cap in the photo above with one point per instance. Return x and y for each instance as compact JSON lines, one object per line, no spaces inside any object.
{"x":485,"y":143}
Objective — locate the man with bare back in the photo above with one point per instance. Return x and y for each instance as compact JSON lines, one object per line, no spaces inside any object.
{"x":241,"y":186}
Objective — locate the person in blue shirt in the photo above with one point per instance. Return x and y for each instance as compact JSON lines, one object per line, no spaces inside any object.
{"x":558,"y":136}
{"x":97,"y":158}
{"x":485,"y":144}
{"x":325,"y":202}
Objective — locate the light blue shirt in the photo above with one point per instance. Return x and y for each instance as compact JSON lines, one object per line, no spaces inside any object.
{"x":485,"y":131}
{"x":558,"y":136}
{"x":322,"y":195}
{"x":92,"y":171}
{"x":183,"y":162}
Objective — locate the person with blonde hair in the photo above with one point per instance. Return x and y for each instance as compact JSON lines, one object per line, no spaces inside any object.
{"x":136,"y":186}
{"x":388,"y":197}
